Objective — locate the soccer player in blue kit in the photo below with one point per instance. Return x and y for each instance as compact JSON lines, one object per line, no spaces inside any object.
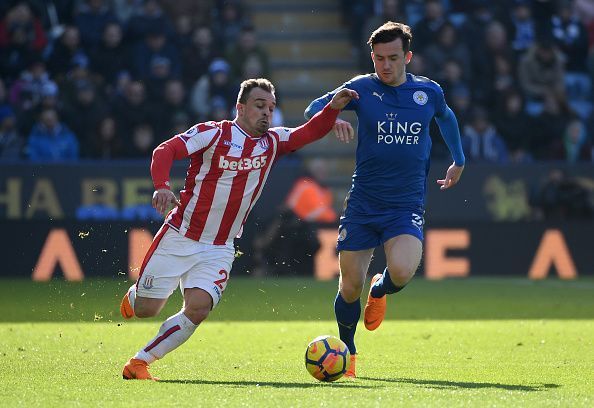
{"x":385,"y":205}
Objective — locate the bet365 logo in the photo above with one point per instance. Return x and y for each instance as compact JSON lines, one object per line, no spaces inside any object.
{"x":242,"y":163}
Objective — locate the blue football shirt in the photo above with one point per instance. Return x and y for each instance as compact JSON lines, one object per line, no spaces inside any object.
{"x":392,"y":159}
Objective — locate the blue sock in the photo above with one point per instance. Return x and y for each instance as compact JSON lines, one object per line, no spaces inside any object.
{"x":385,"y":286}
{"x":347,"y":316}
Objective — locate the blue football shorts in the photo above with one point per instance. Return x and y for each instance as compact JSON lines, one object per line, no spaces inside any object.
{"x":374,"y":230}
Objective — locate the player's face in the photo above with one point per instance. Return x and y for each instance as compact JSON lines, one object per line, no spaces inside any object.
{"x":256,"y":114}
{"x":389,"y":61}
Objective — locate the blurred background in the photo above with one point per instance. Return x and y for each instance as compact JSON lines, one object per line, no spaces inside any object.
{"x":89,"y":87}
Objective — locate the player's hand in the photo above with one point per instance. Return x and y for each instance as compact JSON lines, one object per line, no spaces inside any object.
{"x":452,"y":177}
{"x":162,"y":198}
{"x":343,"y":131}
{"x":342,"y":98}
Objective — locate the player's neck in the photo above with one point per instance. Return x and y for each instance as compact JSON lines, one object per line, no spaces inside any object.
{"x":247,"y":129}
{"x":400,"y":80}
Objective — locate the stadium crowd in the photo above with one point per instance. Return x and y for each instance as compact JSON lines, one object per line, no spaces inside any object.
{"x":105,"y":79}
{"x":113,"y":78}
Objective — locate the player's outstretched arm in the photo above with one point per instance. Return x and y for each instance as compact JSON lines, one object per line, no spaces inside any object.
{"x":342,"y":129}
{"x":320,"y":124}
{"x":448,"y":125}
{"x":163,"y":157}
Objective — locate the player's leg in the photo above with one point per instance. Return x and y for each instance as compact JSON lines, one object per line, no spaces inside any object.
{"x":347,"y":305}
{"x":403,"y":255}
{"x":202,"y":286}
{"x":178,"y":328}
{"x":160,"y":275}
{"x":149,"y":306}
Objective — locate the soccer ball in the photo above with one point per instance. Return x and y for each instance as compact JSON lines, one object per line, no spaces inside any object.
{"x":327,"y":358}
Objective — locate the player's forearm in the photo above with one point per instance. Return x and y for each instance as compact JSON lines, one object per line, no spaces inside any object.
{"x":315,"y":128}
{"x":316,"y":106}
{"x":163,"y":157}
{"x":448,"y":125}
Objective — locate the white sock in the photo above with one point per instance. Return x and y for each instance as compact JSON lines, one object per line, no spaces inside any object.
{"x":172,"y":334}
{"x":132,"y":295}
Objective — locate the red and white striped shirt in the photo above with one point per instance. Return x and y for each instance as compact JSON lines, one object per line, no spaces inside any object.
{"x":228,"y":169}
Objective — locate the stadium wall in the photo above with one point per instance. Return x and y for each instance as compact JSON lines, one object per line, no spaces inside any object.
{"x":89,"y":219}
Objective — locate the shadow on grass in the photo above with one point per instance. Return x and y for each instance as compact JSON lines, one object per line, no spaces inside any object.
{"x":273,"y":384}
{"x":462,"y":384}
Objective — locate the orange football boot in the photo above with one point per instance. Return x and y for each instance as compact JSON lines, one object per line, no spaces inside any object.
{"x":375,"y":308}
{"x":136,"y":369}
{"x":126,"y":308}
{"x":351,"y":371}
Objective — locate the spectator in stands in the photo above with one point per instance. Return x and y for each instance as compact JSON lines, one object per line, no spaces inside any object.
{"x":132,"y":108}
{"x":79,"y":72}
{"x":91,"y":20}
{"x":480,"y":140}
{"x":548,"y":127}
{"x":540,"y":73}
{"x":561,"y":197}
{"x":155,"y":49}
{"x":149,"y":18}
{"x":461,"y":103}
{"x":571,"y":37}
{"x":219,"y":109}
{"x":217,"y":82}
{"x":11,"y":142}
{"x":197,"y":56}
{"x":448,"y":48}
{"x":64,"y":51}
{"x":125,"y":9}
{"x":575,"y":146}
{"x":245,"y":49}
{"x":111,"y":56}
{"x":200,"y":12}
{"x":143,"y":141}
{"x":51,"y":140}
{"x":427,"y":30}
{"x":229,"y":19}
{"x":514,"y":126}
{"x":25,"y":92}
{"x":495,"y":47}
{"x":49,"y":100}
{"x":474,"y":30}
{"x":521,"y":26}
{"x":107,"y":142}
{"x":22,"y":39}
{"x":173,"y":109}
{"x":450,"y":76}
{"x":85,"y":114}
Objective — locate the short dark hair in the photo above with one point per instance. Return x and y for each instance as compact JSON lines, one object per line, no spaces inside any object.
{"x":390,"y":31}
{"x":249,"y":84}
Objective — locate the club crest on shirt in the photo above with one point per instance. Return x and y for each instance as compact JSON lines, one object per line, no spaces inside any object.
{"x":147,"y":282}
{"x":342,"y":234}
{"x":420,"y":98}
{"x":263,"y":143}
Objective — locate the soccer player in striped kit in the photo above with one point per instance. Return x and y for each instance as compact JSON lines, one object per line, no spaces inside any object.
{"x":229,"y":164}
{"x":386,"y":203}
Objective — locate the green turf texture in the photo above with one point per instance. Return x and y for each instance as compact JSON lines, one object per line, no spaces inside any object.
{"x":471,"y":342}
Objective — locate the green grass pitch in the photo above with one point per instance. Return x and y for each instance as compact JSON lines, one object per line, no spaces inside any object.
{"x":473,"y":342}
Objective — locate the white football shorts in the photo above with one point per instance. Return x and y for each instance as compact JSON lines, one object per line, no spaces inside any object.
{"x":178,"y":260}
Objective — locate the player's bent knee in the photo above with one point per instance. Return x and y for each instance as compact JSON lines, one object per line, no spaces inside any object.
{"x":400,"y":275}
{"x":351,"y":291}
{"x":147,"y":307}
{"x":196,"y":314}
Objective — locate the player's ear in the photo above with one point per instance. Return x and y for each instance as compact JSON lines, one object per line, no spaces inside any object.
{"x":239,"y":107}
{"x":408,"y":57}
